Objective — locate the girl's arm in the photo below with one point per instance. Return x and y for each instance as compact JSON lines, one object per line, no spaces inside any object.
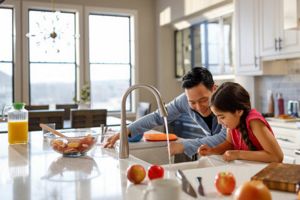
{"x":271,"y":150}
{"x":219,"y":149}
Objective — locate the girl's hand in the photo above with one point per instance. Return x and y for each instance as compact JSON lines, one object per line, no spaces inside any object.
{"x":230,"y":155}
{"x":204,"y":150}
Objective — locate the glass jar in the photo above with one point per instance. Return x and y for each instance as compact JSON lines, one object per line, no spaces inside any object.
{"x":17,"y":119}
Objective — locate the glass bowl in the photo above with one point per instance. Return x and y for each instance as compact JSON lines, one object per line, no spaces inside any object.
{"x":77,"y":143}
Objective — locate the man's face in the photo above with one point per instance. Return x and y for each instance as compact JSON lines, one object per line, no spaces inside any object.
{"x":198,"y":98}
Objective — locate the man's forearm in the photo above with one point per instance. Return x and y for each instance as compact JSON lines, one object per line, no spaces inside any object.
{"x":191,"y":145}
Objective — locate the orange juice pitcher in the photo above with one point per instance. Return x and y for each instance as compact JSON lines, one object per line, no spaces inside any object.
{"x":18,"y":124}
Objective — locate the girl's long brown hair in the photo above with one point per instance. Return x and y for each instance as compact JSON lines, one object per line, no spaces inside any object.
{"x":230,"y":97}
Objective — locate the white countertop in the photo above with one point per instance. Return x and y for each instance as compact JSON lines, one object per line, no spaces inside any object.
{"x":283,"y":123}
{"x":35,"y":171}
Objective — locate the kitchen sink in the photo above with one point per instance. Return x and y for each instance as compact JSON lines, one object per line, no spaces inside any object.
{"x":203,"y":162}
{"x":150,"y":152}
{"x":157,"y":153}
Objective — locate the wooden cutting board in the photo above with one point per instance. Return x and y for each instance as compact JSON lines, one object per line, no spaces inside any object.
{"x":279,"y":176}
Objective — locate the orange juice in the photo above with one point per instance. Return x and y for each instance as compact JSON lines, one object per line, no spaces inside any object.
{"x":17,"y":132}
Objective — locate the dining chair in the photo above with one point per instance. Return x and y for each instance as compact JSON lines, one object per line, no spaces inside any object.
{"x":67,"y":108}
{"x":86,"y":118}
{"x":37,"y":107}
{"x":143,"y":108}
{"x":45,"y":116}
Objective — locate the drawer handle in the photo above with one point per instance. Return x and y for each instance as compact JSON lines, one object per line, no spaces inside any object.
{"x":297,"y":152}
{"x":285,"y":140}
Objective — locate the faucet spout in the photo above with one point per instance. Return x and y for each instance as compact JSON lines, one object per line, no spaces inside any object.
{"x":124,"y":146}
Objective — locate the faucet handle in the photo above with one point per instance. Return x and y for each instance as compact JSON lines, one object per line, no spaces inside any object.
{"x":4,"y":109}
{"x":163,"y":109}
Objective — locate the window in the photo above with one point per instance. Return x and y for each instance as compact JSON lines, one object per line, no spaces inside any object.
{"x":183,"y":52}
{"x":208,"y":44}
{"x":6,"y":56}
{"x":52,"y":58}
{"x":110,"y":59}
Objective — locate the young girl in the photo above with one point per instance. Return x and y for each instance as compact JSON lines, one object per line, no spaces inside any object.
{"x":249,"y":136}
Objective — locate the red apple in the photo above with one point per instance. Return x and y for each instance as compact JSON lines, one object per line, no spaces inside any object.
{"x":252,"y":190}
{"x":225,"y":182}
{"x":155,"y":171}
{"x":136,"y":173}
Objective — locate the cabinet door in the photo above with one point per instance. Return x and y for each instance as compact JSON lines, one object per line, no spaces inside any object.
{"x":269,"y":22}
{"x":289,"y":39}
{"x":246,"y":35}
{"x":274,"y":40}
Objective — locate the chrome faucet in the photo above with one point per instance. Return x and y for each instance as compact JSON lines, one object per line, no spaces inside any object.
{"x":124,"y":146}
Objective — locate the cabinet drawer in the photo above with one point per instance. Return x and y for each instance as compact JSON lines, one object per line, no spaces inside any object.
{"x":288,"y":152}
{"x":289,"y":160}
{"x":286,"y":135}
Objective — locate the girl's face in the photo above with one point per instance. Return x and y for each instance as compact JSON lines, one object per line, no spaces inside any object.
{"x":228,"y":119}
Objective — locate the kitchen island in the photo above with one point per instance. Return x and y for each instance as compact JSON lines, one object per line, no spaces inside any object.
{"x":35,"y":171}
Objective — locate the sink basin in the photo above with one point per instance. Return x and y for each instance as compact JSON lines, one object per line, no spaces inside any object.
{"x":203,"y":162}
{"x":151,"y":152}
{"x":157,"y":153}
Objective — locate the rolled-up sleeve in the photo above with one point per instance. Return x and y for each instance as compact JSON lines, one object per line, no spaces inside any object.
{"x":191,"y":145}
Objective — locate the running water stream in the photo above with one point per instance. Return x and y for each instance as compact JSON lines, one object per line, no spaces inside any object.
{"x":168,"y":141}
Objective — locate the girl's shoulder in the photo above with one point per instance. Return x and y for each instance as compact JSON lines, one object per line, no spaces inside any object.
{"x":255,"y":118}
{"x":254,"y":114}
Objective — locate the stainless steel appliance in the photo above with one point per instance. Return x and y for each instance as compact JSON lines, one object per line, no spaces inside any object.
{"x":293,"y":108}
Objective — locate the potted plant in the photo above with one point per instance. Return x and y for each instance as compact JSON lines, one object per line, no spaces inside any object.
{"x":84,"y":97}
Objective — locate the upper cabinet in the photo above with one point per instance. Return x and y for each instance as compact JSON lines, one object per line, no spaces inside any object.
{"x":260,"y":37}
{"x":275,"y":42}
{"x":247,"y":46}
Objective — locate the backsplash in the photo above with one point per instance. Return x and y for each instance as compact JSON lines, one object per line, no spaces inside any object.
{"x":288,"y":85}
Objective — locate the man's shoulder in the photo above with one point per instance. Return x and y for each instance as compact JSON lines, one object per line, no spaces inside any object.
{"x":181,"y":97}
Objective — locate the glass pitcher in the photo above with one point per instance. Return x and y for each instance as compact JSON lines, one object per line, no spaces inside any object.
{"x":17,"y":118}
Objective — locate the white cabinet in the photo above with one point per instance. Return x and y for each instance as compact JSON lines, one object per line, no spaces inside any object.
{"x":289,"y":140}
{"x":256,"y":31}
{"x":247,"y":43}
{"x":275,"y":42}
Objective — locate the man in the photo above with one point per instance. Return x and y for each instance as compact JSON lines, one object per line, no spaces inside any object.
{"x":198,"y":86}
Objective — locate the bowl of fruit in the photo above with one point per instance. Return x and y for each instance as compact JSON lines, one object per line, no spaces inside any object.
{"x":75,"y":143}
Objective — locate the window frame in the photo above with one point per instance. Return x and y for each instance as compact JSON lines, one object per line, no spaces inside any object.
{"x":16,"y":47}
{"x":27,"y":6}
{"x":133,"y":46}
{"x":53,"y":62}
{"x":12,"y":62}
{"x":218,"y":14}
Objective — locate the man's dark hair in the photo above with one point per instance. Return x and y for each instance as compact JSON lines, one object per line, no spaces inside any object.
{"x":196,"y":76}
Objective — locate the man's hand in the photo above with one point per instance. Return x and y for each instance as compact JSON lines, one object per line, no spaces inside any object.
{"x":204,"y":150}
{"x":176,"y":148}
{"x":112,"y":140}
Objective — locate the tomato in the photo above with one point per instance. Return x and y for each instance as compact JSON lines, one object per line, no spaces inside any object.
{"x":155,"y":171}
{"x":225,"y":182}
{"x":252,"y":190}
